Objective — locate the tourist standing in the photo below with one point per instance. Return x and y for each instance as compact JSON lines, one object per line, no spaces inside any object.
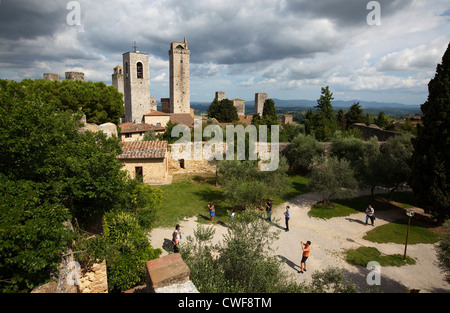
{"x":232,"y":216}
{"x":370,"y":213}
{"x":269,"y":210}
{"x":176,"y":242}
{"x":306,"y":248}
{"x":212,"y":211}
{"x":178,"y":230}
{"x":287,"y":216}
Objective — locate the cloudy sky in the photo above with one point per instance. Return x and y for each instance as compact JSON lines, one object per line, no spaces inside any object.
{"x":287,"y":48}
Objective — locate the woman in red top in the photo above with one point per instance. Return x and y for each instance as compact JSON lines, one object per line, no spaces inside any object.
{"x":306,"y":248}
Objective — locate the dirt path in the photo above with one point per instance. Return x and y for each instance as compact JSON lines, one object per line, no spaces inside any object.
{"x":330,"y":239}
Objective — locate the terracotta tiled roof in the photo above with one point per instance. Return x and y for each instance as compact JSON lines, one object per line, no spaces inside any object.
{"x":156,"y":113}
{"x":127,"y":128}
{"x":182,"y":119}
{"x":154,"y":149}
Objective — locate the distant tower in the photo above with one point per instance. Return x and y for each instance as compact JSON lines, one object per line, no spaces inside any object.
{"x":117,"y":79}
{"x":179,"y":59}
{"x":136,"y":82}
{"x":51,"y":76}
{"x":73,"y":76}
{"x":260,"y":98}
{"x":220,"y":95}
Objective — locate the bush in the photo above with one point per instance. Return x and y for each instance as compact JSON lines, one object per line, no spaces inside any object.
{"x":127,"y":250}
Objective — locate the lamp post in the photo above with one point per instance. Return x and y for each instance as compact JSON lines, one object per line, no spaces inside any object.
{"x":409,"y":213}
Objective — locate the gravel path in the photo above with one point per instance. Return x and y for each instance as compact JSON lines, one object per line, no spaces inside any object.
{"x":330,"y":238}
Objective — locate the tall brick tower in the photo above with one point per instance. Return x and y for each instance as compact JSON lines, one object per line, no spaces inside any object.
{"x":136,"y":81}
{"x":179,"y":58}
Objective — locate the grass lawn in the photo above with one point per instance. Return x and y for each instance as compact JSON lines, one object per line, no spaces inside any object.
{"x":396,"y":232}
{"x":189,"y":195}
{"x":346,"y":207}
{"x":363,"y":255}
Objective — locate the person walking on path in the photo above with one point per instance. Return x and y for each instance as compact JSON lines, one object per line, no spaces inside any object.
{"x":232,"y":216}
{"x":176,"y":242}
{"x":306,"y":248}
{"x":370,"y":214}
{"x":269,"y":210}
{"x":178,"y":230}
{"x":287,"y":216}
{"x":212,"y":211}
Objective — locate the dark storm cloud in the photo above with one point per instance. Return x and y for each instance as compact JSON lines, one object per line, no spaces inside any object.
{"x":28,"y":19}
{"x":345,"y":13}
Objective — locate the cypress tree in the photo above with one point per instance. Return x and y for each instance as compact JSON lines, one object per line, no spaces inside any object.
{"x":430,"y":179}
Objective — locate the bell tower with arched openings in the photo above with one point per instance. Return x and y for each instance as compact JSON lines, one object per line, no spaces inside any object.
{"x":136,"y":81}
{"x":179,"y":59}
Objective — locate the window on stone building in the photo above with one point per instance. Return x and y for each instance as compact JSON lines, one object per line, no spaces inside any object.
{"x":139,"y":173}
{"x":140,"y":70}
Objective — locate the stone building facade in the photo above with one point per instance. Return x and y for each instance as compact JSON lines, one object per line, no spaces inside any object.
{"x":146,"y":160}
{"x":179,"y":63}
{"x":136,"y":86}
{"x":260,"y":98}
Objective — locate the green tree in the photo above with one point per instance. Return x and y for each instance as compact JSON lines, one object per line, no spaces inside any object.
{"x":269,"y":113}
{"x":246,"y":186}
{"x":355,"y":114}
{"x":302,"y":151}
{"x":99,"y":102}
{"x":224,"y":111}
{"x":341,"y":120}
{"x":430,"y":179}
{"x":127,"y":249}
{"x":332,"y":178}
{"x":50,"y":174}
{"x":382,"y":121}
{"x":324,"y":119}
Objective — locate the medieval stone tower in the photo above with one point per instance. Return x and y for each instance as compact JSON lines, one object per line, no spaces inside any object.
{"x":136,"y":81}
{"x":117,"y":79}
{"x":179,"y":59}
{"x":260,"y":98}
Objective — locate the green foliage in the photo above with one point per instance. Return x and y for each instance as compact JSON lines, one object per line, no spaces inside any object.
{"x":224,"y":111}
{"x":147,"y":201}
{"x":355,"y":114}
{"x":269,"y":113}
{"x":50,"y":174}
{"x":246,"y":186}
{"x":332,"y":178}
{"x":430,"y":179}
{"x":443,"y":252}
{"x":100,"y":103}
{"x":290,"y":131}
{"x":383,"y":122}
{"x":363,"y":255}
{"x":32,"y":234}
{"x":167,"y":135}
{"x":242,"y":263}
{"x":301,"y":152}
{"x":322,"y":124}
{"x":127,"y":250}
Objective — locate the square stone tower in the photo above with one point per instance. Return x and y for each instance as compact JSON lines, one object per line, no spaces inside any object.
{"x":117,"y":79}
{"x":260,"y":98}
{"x":136,"y":81}
{"x":179,"y":59}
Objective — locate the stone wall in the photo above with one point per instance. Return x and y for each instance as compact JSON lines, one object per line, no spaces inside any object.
{"x":95,"y":280}
{"x":373,"y":130}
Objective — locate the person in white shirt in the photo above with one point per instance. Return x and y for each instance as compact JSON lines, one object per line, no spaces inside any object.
{"x":370,"y":214}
